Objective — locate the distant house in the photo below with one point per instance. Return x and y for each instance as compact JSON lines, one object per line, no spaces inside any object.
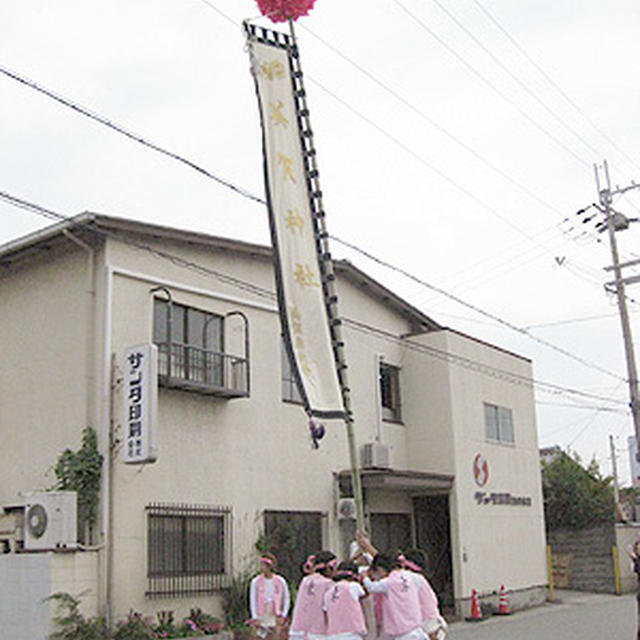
{"x":445,"y":424}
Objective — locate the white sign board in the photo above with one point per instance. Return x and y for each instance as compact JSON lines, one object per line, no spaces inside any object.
{"x":140,"y":402}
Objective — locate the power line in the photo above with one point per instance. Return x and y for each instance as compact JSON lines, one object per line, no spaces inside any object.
{"x":588,"y":407}
{"x":133,"y":136}
{"x":554,"y":84}
{"x":476,"y":365}
{"x":515,"y":78}
{"x":244,"y":193}
{"x":428,"y":164}
{"x":424,"y":116}
{"x":355,"y":324}
{"x":473,"y":307}
{"x":488,"y":82}
{"x":559,"y":323}
{"x":597,"y":412}
{"x":120,"y":129}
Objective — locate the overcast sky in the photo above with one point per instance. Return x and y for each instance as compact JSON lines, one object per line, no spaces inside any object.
{"x":456,"y":145}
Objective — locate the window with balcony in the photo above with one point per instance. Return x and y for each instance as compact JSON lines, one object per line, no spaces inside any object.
{"x":498,"y":422}
{"x":200,"y":351}
{"x":188,"y":549}
{"x":390,"y":393}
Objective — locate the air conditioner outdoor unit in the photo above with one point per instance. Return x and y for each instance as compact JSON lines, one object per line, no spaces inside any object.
{"x":346,"y":509}
{"x":50,"y":520}
{"x":375,"y":455}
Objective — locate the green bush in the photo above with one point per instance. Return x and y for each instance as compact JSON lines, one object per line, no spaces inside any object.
{"x":575,"y":497}
{"x":72,"y":625}
{"x":235,"y":599}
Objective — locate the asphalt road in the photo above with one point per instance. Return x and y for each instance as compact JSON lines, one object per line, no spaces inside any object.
{"x":573,"y":617}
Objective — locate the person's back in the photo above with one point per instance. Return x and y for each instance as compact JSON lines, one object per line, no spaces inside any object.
{"x":401,"y":611}
{"x":308,"y":616}
{"x":308,"y":619}
{"x":344,"y":612}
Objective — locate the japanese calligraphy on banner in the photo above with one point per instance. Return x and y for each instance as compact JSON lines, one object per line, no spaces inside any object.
{"x":140,"y":391}
{"x":301,"y":299}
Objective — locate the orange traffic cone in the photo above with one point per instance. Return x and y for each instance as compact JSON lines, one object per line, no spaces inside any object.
{"x":476,"y":614}
{"x":503,"y":607}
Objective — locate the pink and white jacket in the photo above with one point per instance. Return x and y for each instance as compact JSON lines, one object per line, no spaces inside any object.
{"x":344,"y":612}
{"x":401,"y":611}
{"x":308,"y":615}
{"x":428,"y":599}
{"x":260,"y":594}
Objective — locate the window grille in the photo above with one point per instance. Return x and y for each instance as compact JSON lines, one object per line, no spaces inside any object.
{"x":189,"y":549}
{"x":292,"y":536}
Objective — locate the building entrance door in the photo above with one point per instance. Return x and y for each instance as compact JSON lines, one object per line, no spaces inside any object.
{"x":391,"y":532}
{"x":433,"y":536}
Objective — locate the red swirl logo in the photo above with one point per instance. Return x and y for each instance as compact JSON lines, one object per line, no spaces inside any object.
{"x":480,"y":470}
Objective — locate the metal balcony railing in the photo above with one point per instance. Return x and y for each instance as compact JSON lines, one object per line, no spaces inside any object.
{"x":183,"y":366}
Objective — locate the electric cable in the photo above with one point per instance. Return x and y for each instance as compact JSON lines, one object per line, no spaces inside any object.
{"x":434,"y":123}
{"x":473,"y":307}
{"x":120,"y":129}
{"x":515,"y":78}
{"x":492,"y":85}
{"x":555,"y":85}
{"x":125,"y":132}
{"x":355,"y":324}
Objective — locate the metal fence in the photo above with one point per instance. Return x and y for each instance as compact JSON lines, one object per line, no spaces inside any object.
{"x":204,"y":370}
{"x":189,"y":549}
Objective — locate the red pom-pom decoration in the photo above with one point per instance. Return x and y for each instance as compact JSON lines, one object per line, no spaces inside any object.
{"x":282,"y":10}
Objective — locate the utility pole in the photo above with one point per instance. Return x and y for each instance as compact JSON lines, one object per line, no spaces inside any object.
{"x":614,"y":469}
{"x":605,"y":195}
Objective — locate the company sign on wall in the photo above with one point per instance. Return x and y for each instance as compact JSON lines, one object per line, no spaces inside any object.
{"x":140,"y":389}
{"x":504,"y":498}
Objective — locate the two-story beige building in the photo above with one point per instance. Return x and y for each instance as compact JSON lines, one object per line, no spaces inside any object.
{"x":444,"y":422}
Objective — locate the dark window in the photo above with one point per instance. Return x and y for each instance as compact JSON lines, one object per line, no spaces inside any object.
{"x":292,"y":536}
{"x":391,"y":531}
{"x":290,"y":391}
{"x":188,"y":549}
{"x":390,"y":393}
{"x":498,"y":422}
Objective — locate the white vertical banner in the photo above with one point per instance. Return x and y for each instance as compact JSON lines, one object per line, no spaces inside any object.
{"x":301,"y":298}
{"x":140,"y":403}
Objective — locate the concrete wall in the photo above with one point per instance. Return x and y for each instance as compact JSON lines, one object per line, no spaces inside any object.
{"x":44,"y":373}
{"x":626,"y":535}
{"x":494,"y":544}
{"x":589,"y":555}
{"x":27,"y":580}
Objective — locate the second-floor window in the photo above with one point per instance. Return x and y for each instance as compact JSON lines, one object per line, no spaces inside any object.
{"x":202,"y":351}
{"x":390,"y":392}
{"x":290,"y":392}
{"x":498,"y":423}
{"x":196,"y":340}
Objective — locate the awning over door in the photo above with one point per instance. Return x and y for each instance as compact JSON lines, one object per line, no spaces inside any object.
{"x":414,"y":481}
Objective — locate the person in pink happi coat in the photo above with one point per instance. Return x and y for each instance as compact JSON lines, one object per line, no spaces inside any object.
{"x":401,"y":611}
{"x":342,"y":604}
{"x":308,"y":621}
{"x":268,"y":599}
